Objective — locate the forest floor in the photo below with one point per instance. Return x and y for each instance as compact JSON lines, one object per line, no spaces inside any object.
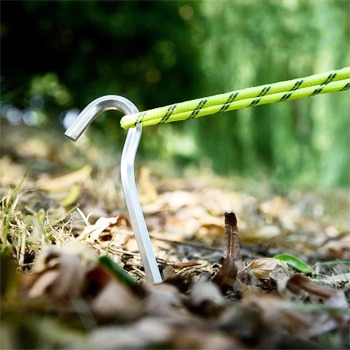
{"x":244,"y":266}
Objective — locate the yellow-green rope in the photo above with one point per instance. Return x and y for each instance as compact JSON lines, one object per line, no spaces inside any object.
{"x":337,"y":80}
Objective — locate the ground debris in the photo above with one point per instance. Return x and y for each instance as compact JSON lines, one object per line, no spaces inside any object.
{"x":214,"y":295}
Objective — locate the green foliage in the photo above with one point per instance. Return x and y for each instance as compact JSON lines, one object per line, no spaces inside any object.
{"x":255,"y":42}
{"x":295,"y":263}
{"x":140,"y":49}
{"x":7,"y":210}
{"x":159,"y":52}
{"x":119,"y":273}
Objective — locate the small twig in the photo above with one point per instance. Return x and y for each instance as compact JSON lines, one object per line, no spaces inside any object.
{"x":185,"y":264}
{"x":121,"y":251}
{"x":190,"y":244}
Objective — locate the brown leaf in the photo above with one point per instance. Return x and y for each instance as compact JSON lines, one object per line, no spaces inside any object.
{"x":161,"y":333}
{"x":300,"y":282}
{"x":232,"y":261}
{"x":146,"y":188}
{"x":172,"y":201}
{"x":162,"y":299}
{"x":41,"y":284}
{"x":337,"y":248}
{"x":260,"y":234}
{"x":207,"y":299}
{"x":144,"y":333}
{"x":105,"y":226}
{"x":72,"y":273}
{"x":292,"y":317}
{"x":274,"y":207}
{"x":110,"y":231}
{"x":115,"y":301}
{"x":63,"y":183}
{"x":59,"y":273}
{"x":263,"y":267}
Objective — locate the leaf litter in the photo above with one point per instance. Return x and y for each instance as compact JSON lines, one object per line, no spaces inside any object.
{"x":241,"y":270}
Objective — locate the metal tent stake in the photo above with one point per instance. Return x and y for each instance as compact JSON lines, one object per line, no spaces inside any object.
{"x":85,"y":118}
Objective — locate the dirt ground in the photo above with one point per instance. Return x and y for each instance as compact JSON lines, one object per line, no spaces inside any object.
{"x":244,"y":266}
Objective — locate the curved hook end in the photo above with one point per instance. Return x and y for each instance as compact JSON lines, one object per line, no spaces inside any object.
{"x":71,"y":135}
{"x":96,"y":107}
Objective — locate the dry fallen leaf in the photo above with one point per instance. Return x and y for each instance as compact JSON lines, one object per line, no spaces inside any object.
{"x":145,"y":333}
{"x":72,"y":273}
{"x":115,"y":301}
{"x":275,"y":207}
{"x":171,"y":201}
{"x":59,"y":272}
{"x":260,"y":234}
{"x":293,"y":317}
{"x":336,"y":249}
{"x":64,"y":183}
{"x":207,"y":299}
{"x":263,"y":267}
{"x":163,"y":299}
{"x":117,"y":228}
{"x":147,"y":190}
{"x":210,"y":226}
{"x":299,"y":282}
{"x":161,"y":333}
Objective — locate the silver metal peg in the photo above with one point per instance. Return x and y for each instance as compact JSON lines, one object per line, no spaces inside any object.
{"x":85,"y":118}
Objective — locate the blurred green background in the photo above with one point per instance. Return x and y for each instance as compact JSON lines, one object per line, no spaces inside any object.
{"x":57,"y":56}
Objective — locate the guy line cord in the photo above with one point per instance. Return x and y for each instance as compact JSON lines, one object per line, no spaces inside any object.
{"x":333,"y":81}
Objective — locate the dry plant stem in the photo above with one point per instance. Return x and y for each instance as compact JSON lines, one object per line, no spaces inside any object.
{"x":23,"y":247}
{"x":231,"y":261}
{"x":190,"y":244}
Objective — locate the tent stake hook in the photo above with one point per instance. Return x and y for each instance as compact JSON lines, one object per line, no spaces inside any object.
{"x":85,"y":118}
